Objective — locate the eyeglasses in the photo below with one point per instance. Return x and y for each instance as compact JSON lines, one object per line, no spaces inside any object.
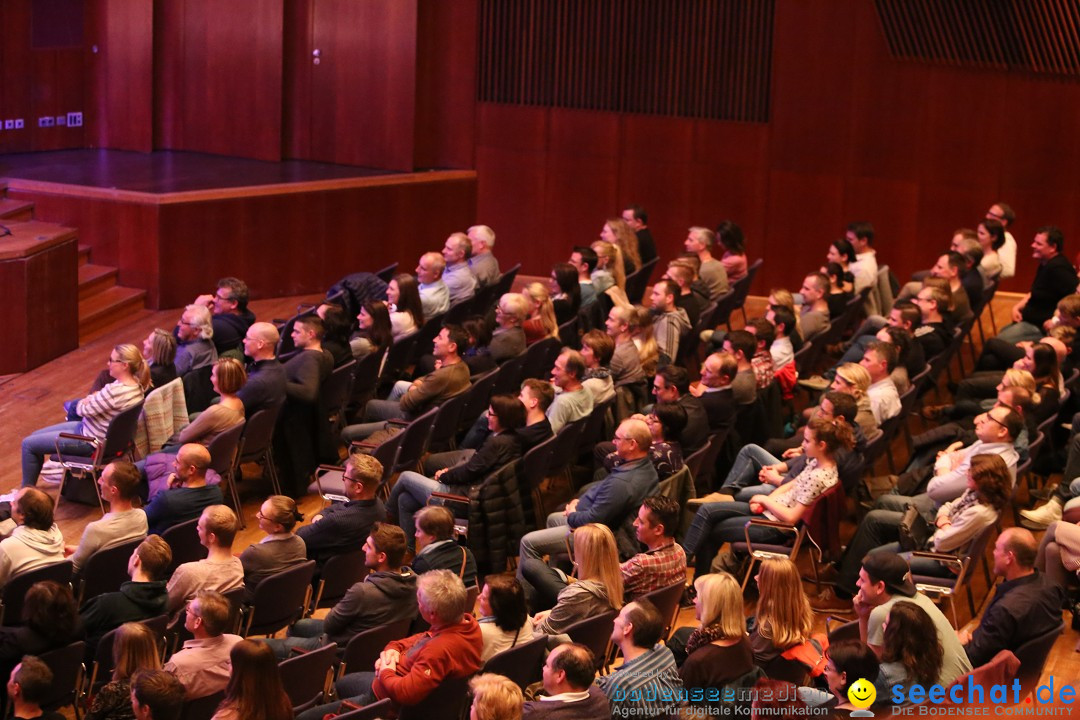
{"x":622,"y":438}
{"x":994,"y":419}
{"x":351,"y":479}
{"x":226,"y":298}
{"x":114,"y":360}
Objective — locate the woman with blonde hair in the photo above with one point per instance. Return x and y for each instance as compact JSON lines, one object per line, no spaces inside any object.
{"x":598,"y":587}
{"x":134,"y":648}
{"x":280,"y":549}
{"x":784,"y":619}
{"x":645,"y":340}
{"x":853,"y":379}
{"x":255,"y":691}
{"x":610,"y":268}
{"x":718,"y":652}
{"x":159,"y":351}
{"x":131,"y":381}
{"x":618,"y":232}
{"x":541,"y":323}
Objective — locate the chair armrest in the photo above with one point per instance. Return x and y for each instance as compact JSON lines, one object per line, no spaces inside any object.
{"x":81,"y":438}
{"x":298,"y":651}
{"x":765,"y":522}
{"x":362,"y":444}
{"x":946,"y":558}
{"x":398,"y":422}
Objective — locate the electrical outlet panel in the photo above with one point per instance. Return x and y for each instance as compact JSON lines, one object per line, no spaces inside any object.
{"x":46,"y":121}
{"x":19,"y":124}
{"x":61,"y":120}
{"x":74,"y":119}
{"x":9,"y":124}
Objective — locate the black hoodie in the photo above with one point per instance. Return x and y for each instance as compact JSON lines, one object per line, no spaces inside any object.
{"x":382,"y":597}
{"x":229,"y":329}
{"x":133,"y":602}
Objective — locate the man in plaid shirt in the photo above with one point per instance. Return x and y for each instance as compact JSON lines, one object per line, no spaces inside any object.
{"x":664,"y":563}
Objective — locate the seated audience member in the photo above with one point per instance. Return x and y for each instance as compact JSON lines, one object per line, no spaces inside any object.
{"x":911,"y":653}
{"x":715,"y":390}
{"x":482,"y":262}
{"x":666,"y":420}
{"x":717,"y":523}
{"x":843,"y":254}
{"x":847,"y":661}
{"x":784,"y":621}
{"x":119,"y":484}
{"x":839,"y":294}
{"x":50,"y":620}
{"x":699,"y":241}
{"x":566,"y":298}
{"x":610,"y":269}
{"x":281,"y":549}
{"x":159,"y":351}
{"x":990,"y":235}
{"x":569,"y":691}
{"x":97,"y":410}
{"x":864,"y":267}
{"x":541,"y":322}
{"x":638,"y":220}
{"x":664,"y":562}
{"x":619,"y":233}
{"x":142,"y":597}
{"x":504,"y":615}
{"x":733,"y":243}
{"x":718,"y":651}
{"x":374,"y":334}
{"x":508,"y":340}
{"x":612,"y":501}
{"x":231,"y":315}
{"x":203,"y":666}
{"x":255,"y":689}
{"x":671,"y":321}
{"x":434,"y":294}
{"x":641,"y":325}
{"x":1027,"y":604}
{"x":409,"y":400}
{"x":454,"y":471}
{"x":815,"y":313}
{"x":625,"y":360}
{"x":597,"y":347}
{"x":407,"y":311}
{"x":386,"y":595}
{"x":537,"y":396}
{"x":694,"y":303}
{"x":227,"y":377}
{"x":134,"y":648}
{"x":437,"y":548}
{"x":572,"y":401}
{"x":194,"y":333}
{"x":879,"y":360}
{"x":460,"y":282}
{"x":646,"y":683}
{"x":854,"y":380}
{"x":584,"y":261}
{"x":598,"y":588}
{"x":782,"y":324}
{"x":342,"y":527}
{"x":933,"y":332}
{"x":672,"y":385}
{"x":28,"y":686}
{"x":1059,"y":552}
{"x":762,"y":361}
{"x":156,"y":695}
{"x":186,"y":494}
{"x":495,"y":697}
{"x":741,"y":345}
{"x":409,"y":670}
{"x":307,"y":370}
{"x":36,"y":540}
{"x":1054,"y":279}
{"x":266,"y":380}
{"x":336,"y":328}
{"x":220,"y":571}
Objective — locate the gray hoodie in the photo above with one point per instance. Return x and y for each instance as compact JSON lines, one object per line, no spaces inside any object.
{"x":381,"y":598}
{"x":29,"y":549}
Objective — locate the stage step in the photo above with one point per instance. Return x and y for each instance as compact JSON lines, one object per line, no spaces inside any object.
{"x":13,"y":210}
{"x":84,"y":254}
{"x":108,"y":309}
{"x":95,"y":278}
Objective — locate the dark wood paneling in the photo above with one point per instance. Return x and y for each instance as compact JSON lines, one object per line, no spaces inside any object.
{"x":446,"y":84}
{"x":218,"y":76}
{"x":119,"y":70}
{"x":39,"y":293}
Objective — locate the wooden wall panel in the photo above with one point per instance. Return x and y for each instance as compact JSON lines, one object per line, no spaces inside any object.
{"x":119,"y":71}
{"x":446,"y":84}
{"x":218,"y":83}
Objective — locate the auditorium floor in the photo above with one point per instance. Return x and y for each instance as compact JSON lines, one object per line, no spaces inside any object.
{"x":33,"y":400}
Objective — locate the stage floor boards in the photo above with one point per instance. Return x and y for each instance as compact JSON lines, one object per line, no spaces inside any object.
{"x":166,"y":171}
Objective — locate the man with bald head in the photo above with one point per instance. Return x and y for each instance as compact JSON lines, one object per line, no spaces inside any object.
{"x":187,"y":494}
{"x":434,"y":294}
{"x":458,"y":277}
{"x":613,"y":501}
{"x":482,"y":262}
{"x":1025,"y":605}
{"x":266,"y":381}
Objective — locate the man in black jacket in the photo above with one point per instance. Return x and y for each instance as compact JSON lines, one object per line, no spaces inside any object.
{"x":436,"y":548}
{"x":387,"y":595}
{"x":231,"y":315}
{"x":1055,"y":278}
{"x":265,"y":386}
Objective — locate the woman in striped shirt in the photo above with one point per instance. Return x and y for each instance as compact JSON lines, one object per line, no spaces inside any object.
{"x":131,"y":379}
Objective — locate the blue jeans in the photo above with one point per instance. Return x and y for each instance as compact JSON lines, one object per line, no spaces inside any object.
{"x":410,"y":493}
{"x":41,"y":443}
{"x":744,"y":472}
{"x":306,"y":634}
{"x":719,"y":523}
{"x":1019,"y":332}
{"x":538,"y":543}
{"x":354,"y":687}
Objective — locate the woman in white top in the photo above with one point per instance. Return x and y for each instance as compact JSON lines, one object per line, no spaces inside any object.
{"x":504,"y":617}
{"x":406,"y":311}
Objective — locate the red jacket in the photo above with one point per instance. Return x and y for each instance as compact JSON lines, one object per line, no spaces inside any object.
{"x":448,"y":652}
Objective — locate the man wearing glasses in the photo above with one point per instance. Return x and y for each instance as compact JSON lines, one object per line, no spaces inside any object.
{"x":195,"y":346}
{"x":231,"y":315}
{"x":343,"y":527}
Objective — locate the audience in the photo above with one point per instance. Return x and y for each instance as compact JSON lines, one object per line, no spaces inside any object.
{"x":255,"y":689}
{"x":135,"y":647}
{"x":664,"y":562}
{"x":195,"y":347}
{"x":572,"y":401}
{"x":407,"y":311}
{"x":459,"y":279}
{"x":142,"y":597}
{"x":159,"y":351}
{"x":699,"y":241}
{"x":220,"y":571}
{"x":438,"y":549}
{"x":911,"y":653}
{"x":231,"y":315}
{"x":542,"y":322}
{"x":434,"y":294}
{"x":597,"y":348}
{"x":156,"y":695}
{"x":119,"y":483}
{"x":203,"y":665}
{"x":584,"y":260}
{"x":266,"y":379}
{"x":717,"y":653}
{"x":281,"y":549}
{"x":482,"y":262}
{"x":495,"y":697}
{"x":342,"y":527}
{"x":566,"y":300}
{"x":569,"y":691}
{"x":504,"y":615}
{"x":36,"y":540}
{"x":29,"y":685}
{"x":638,"y":220}
{"x":508,"y":339}
{"x":598,"y":588}
{"x":784,"y":622}
{"x":625,"y":360}
{"x":645,"y":684}
{"x":374,"y":334}
{"x":186,"y":493}
{"x":50,"y":620}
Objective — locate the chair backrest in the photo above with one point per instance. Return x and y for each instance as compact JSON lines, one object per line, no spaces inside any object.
{"x":280,"y":599}
{"x":339,"y":573}
{"x":522,"y":663}
{"x":335,"y":391}
{"x":446,"y":702}
{"x":509,"y":376}
{"x":666,"y":600}
{"x":595,"y":634}
{"x":426,"y":336}
{"x":444,"y":428}
{"x":414,"y":441}
{"x":742,"y":287}
{"x":106,"y":570}
{"x":505,"y":283}
{"x":637,"y":281}
{"x":223,"y":449}
{"x":540,"y":357}
{"x":364,"y":648}
{"x":476,"y":398}
{"x":568,"y":332}
{"x":120,"y":436}
{"x":198,"y":391}
{"x":202,"y":708}
{"x":374,"y":711}
{"x":593,"y":430}
{"x":102,"y":670}
{"x":67,"y":667}
{"x":258,"y":434}
{"x":1032,"y":656}
{"x":305,"y":676}
{"x":534,"y":467}
{"x":183,"y":538}
{"x":11,"y":604}
{"x":397,"y":359}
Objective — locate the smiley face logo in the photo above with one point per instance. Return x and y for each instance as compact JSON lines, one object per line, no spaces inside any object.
{"x":862,"y":694}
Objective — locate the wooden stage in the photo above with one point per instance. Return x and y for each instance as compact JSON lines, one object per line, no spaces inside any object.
{"x":173,"y":222}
